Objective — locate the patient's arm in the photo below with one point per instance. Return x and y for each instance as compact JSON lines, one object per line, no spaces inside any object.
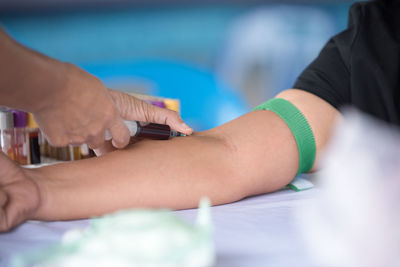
{"x":253,"y":154}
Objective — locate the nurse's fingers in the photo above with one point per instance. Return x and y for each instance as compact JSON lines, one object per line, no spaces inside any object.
{"x":3,"y":216}
{"x":96,"y":141}
{"x":171,"y":118}
{"x":107,"y":147}
{"x":8,"y":170}
{"x":132,"y":108}
{"x":120,"y":134}
{"x":3,"y":198}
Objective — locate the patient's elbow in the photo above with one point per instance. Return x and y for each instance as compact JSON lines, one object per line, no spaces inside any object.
{"x":245,"y":171}
{"x":225,"y":181}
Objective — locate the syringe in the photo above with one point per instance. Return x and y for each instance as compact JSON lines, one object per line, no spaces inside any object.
{"x":148,"y":130}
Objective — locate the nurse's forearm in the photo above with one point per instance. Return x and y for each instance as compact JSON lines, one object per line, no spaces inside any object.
{"x":27,"y":78}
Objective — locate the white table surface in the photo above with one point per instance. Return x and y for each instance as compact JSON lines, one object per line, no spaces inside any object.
{"x":257,"y":231}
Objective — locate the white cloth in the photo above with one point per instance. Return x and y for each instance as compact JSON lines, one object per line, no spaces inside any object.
{"x":257,"y":231}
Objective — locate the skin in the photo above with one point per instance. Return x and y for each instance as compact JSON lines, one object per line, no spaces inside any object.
{"x":58,"y":93}
{"x":253,"y":154}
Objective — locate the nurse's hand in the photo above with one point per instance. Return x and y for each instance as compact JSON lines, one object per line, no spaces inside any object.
{"x":19,"y":195}
{"x":84,"y":109}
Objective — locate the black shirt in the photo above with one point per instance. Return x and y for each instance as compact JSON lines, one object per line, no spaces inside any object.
{"x":361,"y":65}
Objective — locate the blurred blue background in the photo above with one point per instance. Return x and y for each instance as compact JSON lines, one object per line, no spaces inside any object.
{"x":220,"y":58}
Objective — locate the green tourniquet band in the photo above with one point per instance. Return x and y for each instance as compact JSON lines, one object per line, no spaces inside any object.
{"x":300,"y":128}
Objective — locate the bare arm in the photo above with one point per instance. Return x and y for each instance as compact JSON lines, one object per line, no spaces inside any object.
{"x":24,"y":76}
{"x":253,"y":154}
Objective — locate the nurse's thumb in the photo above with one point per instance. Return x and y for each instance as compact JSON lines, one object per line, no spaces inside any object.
{"x":132,"y":108}
{"x":166,"y":116}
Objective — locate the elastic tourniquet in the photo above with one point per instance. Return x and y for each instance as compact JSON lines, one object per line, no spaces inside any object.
{"x":300,"y":128}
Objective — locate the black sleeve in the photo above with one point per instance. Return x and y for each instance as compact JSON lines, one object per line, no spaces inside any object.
{"x":328,"y":76}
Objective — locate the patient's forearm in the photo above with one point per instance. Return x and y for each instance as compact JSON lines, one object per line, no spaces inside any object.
{"x":244,"y":157}
{"x":253,"y":154}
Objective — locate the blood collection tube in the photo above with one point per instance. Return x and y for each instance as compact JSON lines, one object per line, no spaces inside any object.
{"x":34,"y":140}
{"x":75,"y":152}
{"x":63,"y":153}
{"x":148,"y":130}
{"x":152,"y":130}
{"x":20,"y":135}
{"x":86,"y":152}
{"x":7,"y":144}
{"x":44,"y":147}
{"x":52,"y":152}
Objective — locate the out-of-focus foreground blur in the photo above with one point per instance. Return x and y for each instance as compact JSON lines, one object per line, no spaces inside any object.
{"x":220,"y":58}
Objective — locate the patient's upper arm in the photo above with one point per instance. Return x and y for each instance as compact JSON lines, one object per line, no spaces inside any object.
{"x":265,"y":155}
{"x":320,"y":115}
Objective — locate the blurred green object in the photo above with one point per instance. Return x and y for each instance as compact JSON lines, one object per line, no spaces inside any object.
{"x":138,"y":237}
